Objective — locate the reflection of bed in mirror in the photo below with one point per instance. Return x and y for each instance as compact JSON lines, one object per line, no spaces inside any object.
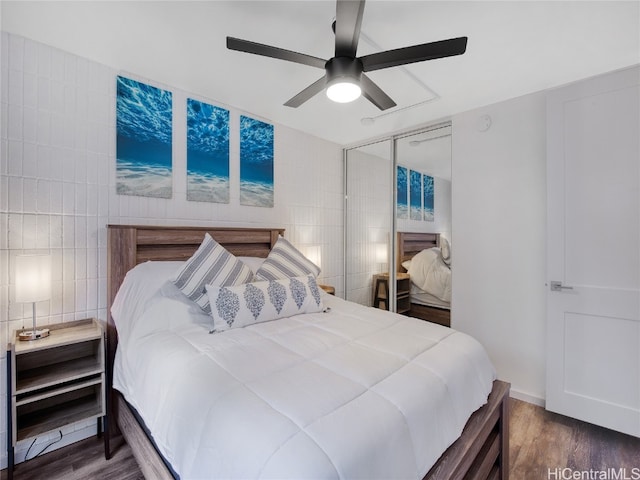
{"x":430,"y":304}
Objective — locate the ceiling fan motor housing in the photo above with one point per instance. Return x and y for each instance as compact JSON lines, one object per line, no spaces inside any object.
{"x":347,"y":68}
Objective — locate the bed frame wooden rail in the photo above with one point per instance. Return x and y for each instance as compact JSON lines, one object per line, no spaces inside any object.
{"x":480,"y":453}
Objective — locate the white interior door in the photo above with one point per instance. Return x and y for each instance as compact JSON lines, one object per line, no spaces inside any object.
{"x":593,"y":251}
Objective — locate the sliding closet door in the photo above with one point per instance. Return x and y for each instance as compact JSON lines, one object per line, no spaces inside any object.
{"x":368,"y":218}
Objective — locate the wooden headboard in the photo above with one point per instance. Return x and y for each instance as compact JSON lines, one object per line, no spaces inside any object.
{"x":411,"y":243}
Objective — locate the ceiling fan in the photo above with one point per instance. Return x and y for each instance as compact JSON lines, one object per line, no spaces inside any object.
{"x":345,"y":73}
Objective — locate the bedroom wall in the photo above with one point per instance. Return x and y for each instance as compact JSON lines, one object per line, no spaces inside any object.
{"x":499,"y":237}
{"x":57,"y":190}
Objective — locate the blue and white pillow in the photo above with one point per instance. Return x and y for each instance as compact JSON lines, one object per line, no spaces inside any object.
{"x":242,"y":305}
{"x":285,"y":261}
{"x":212,"y":264}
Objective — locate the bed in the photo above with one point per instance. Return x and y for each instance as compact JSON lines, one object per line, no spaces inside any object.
{"x":424,"y":305}
{"x":481,"y":450}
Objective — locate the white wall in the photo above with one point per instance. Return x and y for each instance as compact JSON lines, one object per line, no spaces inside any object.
{"x":57,"y":189}
{"x":499,"y":237}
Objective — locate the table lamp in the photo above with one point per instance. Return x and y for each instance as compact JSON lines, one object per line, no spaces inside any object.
{"x":33,"y":284}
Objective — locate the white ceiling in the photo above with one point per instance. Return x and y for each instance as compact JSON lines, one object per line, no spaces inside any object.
{"x":427,"y":151}
{"x":514,"y":48}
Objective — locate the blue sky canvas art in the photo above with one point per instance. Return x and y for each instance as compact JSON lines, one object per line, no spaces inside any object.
{"x":415,"y":195}
{"x":427,"y":198}
{"x":143,"y":140}
{"x":256,"y":162}
{"x":402,"y":208}
{"x":207,"y":152}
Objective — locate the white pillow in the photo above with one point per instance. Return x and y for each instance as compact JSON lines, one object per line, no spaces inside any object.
{"x":211,"y":264}
{"x":242,"y":305}
{"x":139,"y":286}
{"x":445,"y":250}
{"x":254,"y":263}
{"x":284,"y":261}
{"x":169,"y":311}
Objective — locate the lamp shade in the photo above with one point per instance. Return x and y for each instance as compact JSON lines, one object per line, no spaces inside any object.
{"x":33,"y":278}
{"x":313,"y":253}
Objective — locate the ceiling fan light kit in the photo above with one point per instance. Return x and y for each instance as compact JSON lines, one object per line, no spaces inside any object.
{"x":343,"y":79}
{"x":344,"y":91}
{"x":344,"y":76}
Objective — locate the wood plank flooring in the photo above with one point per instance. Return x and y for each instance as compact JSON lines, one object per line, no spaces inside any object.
{"x":539,"y":441}
{"x":83,"y":460}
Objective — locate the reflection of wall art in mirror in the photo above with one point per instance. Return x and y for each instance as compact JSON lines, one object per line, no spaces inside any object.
{"x":207,"y":153}
{"x":427,"y":198}
{"x":143,"y":140}
{"x":256,"y":163}
{"x":402,"y":188}
{"x":415,"y":195}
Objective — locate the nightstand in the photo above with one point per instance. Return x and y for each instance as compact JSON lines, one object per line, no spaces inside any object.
{"x":381,"y":292}
{"x":55,"y":381}
{"x":328,"y":288}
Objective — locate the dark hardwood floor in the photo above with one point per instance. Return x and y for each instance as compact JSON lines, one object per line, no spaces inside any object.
{"x":83,"y":460}
{"x":540,"y":442}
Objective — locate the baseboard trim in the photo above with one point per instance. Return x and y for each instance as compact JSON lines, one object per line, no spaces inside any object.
{"x":526,"y":397}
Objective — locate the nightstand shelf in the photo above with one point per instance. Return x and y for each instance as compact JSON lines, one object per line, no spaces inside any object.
{"x":58,"y":408}
{"x":328,"y":288}
{"x":55,"y":381}
{"x":381,"y":292}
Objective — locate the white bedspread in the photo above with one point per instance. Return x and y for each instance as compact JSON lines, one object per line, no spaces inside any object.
{"x":352,"y":393}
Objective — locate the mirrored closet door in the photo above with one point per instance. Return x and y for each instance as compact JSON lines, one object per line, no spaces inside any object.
{"x":397,"y":184}
{"x":423,"y":224}
{"x":368,"y":217}
{"x":425,"y":159}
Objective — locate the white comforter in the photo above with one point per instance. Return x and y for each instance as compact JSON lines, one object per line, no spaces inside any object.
{"x":431,"y":274}
{"x":355,"y":392}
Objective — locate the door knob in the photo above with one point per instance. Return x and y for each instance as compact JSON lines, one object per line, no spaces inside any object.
{"x":558,"y":287}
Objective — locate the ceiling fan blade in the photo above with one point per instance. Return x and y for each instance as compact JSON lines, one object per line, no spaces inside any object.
{"x":374,"y":93}
{"x":348,"y":21}
{"x":417,"y":53}
{"x":273,"y":52}
{"x":313,"y":89}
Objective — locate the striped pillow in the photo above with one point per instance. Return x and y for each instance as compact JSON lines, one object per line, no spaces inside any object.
{"x":285,"y":261}
{"x":212,"y":264}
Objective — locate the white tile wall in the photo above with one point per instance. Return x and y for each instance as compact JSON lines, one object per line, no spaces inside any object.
{"x":57,"y":187}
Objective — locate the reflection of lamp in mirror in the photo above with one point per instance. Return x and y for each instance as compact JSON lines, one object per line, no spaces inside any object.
{"x":382,"y":256}
{"x":33,"y":284}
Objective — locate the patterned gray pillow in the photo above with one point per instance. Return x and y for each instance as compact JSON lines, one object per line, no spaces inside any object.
{"x":212,"y":264}
{"x":242,"y":305}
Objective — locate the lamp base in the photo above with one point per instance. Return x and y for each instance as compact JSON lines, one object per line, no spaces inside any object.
{"x":29,"y":335}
